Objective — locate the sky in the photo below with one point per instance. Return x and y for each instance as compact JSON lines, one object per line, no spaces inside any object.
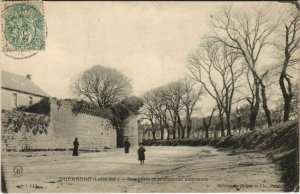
{"x":147,"y":41}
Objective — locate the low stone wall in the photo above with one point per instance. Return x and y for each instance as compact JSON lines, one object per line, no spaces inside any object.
{"x":23,"y":131}
{"x":29,"y":131}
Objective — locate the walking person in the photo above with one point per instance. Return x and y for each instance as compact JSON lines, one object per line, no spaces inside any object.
{"x":76,"y":147}
{"x":126,"y":146}
{"x":141,"y":153}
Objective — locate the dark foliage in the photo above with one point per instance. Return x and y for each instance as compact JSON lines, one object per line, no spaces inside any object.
{"x":91,"y":109}
{"x":42,"y":107}
{"x":127,"y":107}
{"x":133,"y":104}
{"x":121,"y":111}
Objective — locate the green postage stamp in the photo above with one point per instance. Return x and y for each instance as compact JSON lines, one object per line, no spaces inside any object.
{"x":23,"y":26}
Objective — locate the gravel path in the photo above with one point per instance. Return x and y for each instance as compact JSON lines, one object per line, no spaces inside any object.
{"x":166,"y":169}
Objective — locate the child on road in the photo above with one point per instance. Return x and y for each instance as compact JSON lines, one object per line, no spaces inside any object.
{"x":141,"y":153}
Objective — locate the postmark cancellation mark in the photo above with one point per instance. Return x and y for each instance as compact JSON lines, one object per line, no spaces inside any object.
{"x":23,"y":26}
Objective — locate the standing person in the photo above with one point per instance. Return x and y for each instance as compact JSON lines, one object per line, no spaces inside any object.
{"x":126,"y":145}
{"x":76,"y":147}
{"x":141,"y":153}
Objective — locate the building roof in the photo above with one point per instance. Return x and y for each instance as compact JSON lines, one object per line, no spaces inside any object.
{"x":20,"y":83}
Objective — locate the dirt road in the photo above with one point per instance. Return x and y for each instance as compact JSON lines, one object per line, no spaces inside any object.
{"x":166,"y":169}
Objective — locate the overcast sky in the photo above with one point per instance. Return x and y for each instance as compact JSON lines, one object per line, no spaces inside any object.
{"x":148,"y":41}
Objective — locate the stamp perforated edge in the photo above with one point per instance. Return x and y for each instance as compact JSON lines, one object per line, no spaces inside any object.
{"x":29,"y":53}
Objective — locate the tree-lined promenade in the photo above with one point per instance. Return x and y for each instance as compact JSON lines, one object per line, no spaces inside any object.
{"x":243,"y":60}
{"x":247,"y":65}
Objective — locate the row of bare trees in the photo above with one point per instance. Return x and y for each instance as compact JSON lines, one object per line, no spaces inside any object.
{"x":232,"y":65}
{"x":171,"y":107}
{"x":210,"y":62}
{"x":238,"y":43}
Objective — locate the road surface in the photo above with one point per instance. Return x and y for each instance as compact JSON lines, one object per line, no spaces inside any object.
{"x":166,"y":169}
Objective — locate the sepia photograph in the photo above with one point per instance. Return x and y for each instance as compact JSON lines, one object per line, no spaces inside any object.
{"x":149,"y":96}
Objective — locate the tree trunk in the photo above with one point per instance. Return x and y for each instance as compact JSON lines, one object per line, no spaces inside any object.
{"x":228,"y":121}
{"x":188,"y":132}
{"x":265,"y":104}
{"x":162,"y":133}
{"x":206,"y":133}
{"x":188,"y":128}
{"x":153,"y":134}
{"x":174,"y":133}
{"x":174,"y":130}
{"x":253,"y":117}
{"x":178,"y":132}
{"x":182,"y":132}
{"x":206,"y":127}
{"x":287,"y":96}
{"x":221,"y":123}
{"x":287,"y":108}
{"x":255,"y":108}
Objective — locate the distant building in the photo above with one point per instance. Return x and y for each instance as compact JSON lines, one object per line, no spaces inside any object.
{"x":17,"y":90}
{"x":144,"y":131}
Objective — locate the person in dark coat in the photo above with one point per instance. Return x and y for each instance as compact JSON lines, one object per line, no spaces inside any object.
{"x":126,"y":146}
{"x":76,"y":147}
{"x":141,"y":153}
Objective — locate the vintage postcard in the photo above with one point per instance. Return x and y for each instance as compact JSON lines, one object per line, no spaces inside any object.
{"x":149,"y":97}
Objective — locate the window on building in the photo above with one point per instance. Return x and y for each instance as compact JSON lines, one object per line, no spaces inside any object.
{"x":30,"y":100}
{"x":14,"y":101}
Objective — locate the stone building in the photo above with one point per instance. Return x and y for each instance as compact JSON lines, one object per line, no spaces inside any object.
{"x":17,"y":90}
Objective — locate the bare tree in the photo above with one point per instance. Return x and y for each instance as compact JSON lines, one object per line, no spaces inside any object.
{"x":167,"y":103}
{"x":210,"y":62}
{"x":189,"y":99}
{"x":248,"y":34}
{"x":149,"y":111}
{"x":230,"y":72}
{"x":103,"y":86}
{"x":202,"y":70}
{"x":148,"y":115}
{"x":289,"y":48}
{"x":173,"y":97}
{"x":161,"y":110}
{"x":207,"y":124}
{"x":254,"y":100}
{"x":156,"y":107}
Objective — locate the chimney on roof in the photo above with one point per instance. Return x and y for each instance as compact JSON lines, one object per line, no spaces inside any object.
{"x":28,"y":76}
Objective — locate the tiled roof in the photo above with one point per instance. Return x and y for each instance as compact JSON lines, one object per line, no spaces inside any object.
{"x":20,"y":83}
